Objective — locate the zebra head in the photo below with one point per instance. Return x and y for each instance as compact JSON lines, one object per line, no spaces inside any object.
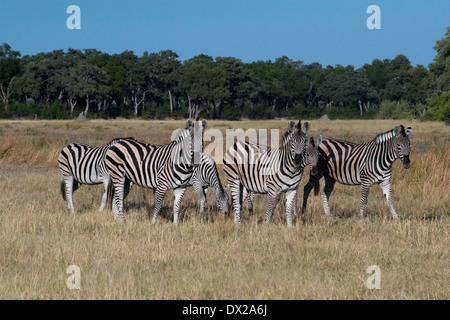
{"x":298,"y":140}
{"x":402,"y":145}
{"x":312,"y":154}
{"x":223,"y":201}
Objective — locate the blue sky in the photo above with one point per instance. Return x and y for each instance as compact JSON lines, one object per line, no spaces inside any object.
{"x":328,"y":32}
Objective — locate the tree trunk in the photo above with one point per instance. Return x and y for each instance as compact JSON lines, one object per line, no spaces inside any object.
{"x":135,"y":107}
{"x":170,"y":100}
{"x":87,"y":105}
{"x":190,"y":107}
{"x":360,"y":107}
{"x":5,"y":96}
{"x":72,"y":105}
{"x":198,"y":109}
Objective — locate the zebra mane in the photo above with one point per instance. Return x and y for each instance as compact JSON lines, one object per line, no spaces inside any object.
{"x":115,"y":140}
{"x":181,"y":134}
{"x":287,"y":136}
{"x":382,"y":137}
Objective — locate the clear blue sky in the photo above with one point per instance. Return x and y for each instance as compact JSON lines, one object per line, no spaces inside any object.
{"x":328,"y":32}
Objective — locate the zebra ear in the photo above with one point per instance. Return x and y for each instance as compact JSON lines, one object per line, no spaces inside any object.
{"x":397,"y":130}
{"x":305,"y":127}
{"x":188,"y":124}
{"x":204,"y":124}
{"x":311,"y":141}
{"x":319,"y":140}
{"x":408,"y":131}
{"x":291,"y":125}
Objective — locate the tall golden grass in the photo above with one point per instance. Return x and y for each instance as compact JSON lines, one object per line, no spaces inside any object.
{"x":208,"y":257}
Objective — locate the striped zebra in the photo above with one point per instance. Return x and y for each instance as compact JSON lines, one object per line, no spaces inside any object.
{"x":265,"y":170}
{"x":83,"y":164}
{"x":159,"y":167}
{"x":206,"y":177}
{"x":363,"y":164}
{"x":310,"y":159}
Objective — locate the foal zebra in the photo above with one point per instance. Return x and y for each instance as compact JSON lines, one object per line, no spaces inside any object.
{"x":83,"y":164}
{"x":363,"y":164}
{"x":261,"y":169}
{"x":310,"y":159}
{"x":161,"y":167}
{"x":206,"y":177}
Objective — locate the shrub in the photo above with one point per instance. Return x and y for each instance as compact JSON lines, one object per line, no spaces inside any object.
{"x":439,"y":108}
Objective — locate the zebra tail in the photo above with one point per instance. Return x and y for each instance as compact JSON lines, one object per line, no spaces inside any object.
{"x":62,"y":186}
{"x":317,"y":188}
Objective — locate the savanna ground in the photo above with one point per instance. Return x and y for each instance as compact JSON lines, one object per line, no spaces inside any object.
{"x":209,"y":257}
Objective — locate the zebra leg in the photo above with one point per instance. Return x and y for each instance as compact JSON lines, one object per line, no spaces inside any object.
{"x":105,"y":195}
{"x":365,"y":186}
{"x":272,"y":201}
{"x":236,"y":195}
{"x":291,"y":196}
{"x":201,"y":195}
{"x":249,"y":197}
{"x":178,"y":195}
{"x":159,"y":194}
{"x":117,"y":202}
{"x":386,"y":187}
{"x":126,"y":188}
{"x":70,"y":185}
{"x":329,"y":186}
{"x":313,"y":180}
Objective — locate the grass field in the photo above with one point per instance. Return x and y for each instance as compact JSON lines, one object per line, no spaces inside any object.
{"x":209,"y":257}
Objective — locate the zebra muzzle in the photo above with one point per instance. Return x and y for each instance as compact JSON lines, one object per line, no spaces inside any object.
{"x":406,"y":162}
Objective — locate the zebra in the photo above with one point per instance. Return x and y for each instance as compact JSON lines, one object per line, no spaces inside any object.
{"x":159,"y":167}
{"x":363,"y":164}
{"x":310,"y":159}
{"x":206,"y":176}
{"x":265,"y":170}
{"x":83,"y":164}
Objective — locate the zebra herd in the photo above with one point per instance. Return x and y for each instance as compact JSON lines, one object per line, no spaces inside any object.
{"x":250,"y":168}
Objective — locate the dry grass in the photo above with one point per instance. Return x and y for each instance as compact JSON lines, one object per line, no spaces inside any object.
{"x":208,"y":257}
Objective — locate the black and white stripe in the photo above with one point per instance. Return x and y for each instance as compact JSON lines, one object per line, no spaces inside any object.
{"x":310,"y":159}
{"x":206,"y":177}
{"x":159,"y":167}
{"x":260,"y":169}
{"x":83,"y":164}
{"x":363,"y":164}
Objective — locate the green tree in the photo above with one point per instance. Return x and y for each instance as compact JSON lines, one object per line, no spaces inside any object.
{"x":87,"y":81}
{"x":204,"y":84}
{"x":351,"y":88}
{"x":440,"y":68}
{"x":9,"y":67}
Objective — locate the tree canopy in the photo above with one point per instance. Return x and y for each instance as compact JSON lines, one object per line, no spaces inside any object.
{"x":60,"y":84}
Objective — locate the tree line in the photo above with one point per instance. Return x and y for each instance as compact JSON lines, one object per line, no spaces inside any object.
{"x":61,"y":84}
